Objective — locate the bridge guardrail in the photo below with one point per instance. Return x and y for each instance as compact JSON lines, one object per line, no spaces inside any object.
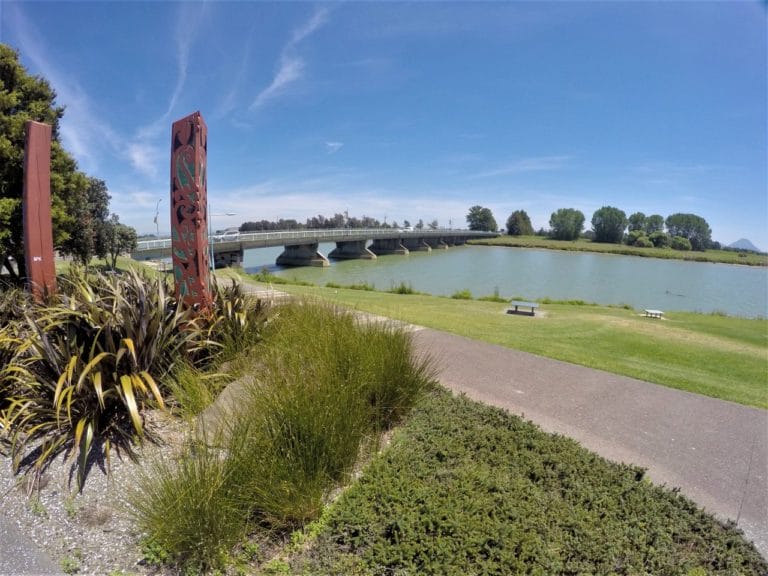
{"x":284,"y":236}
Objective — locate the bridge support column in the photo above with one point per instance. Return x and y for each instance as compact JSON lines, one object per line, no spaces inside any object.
{"x":353,"y":250}
{"x":436,"y":243}
{"x":228,"y":259}
{"x":416,"y":245}
{"x":302,"y":255}
{"x":382,"y":246}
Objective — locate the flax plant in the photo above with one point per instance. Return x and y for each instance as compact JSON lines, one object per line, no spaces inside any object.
{"x":92,"y":361}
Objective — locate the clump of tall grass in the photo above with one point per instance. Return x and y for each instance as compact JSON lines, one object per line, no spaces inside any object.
{"x":402,"y":288}
{"x":324,"y":385}
{"x":464,"y":294}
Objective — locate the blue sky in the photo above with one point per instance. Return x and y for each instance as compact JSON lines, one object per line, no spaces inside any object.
{"x":416,"y":110}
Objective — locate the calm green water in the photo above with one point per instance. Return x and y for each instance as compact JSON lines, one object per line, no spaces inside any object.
{"x":534,"y":274}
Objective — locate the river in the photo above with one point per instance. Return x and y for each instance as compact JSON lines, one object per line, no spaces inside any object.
{"x":535,"y":274}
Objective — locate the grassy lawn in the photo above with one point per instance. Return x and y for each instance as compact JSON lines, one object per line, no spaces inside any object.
{"x":717,"y":356}
{"x":469,"y":489}
{"x":583,"y":245}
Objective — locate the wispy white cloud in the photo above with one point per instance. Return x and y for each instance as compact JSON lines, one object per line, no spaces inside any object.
{"x":333,"y":147}
{"x":534,"y":164}
{"x":82,"y":131}
{"x":291,"y":66}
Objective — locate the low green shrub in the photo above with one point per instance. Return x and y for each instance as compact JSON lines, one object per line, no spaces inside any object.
{"x":402,"y":288}
{"x":680,"y":243}
{"x":470,"y":489}
{"x":462,"y":295}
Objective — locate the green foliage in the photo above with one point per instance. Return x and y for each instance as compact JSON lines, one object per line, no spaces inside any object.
{"x":659,"y":239}
{"x":236,"y":320}
{"x":692,"y":227}
{"x":402,"y":288}
{"x":90,"y":362}
{"x":680,"y":243}
{"x":77,"y":202}
{"x":115,"y":239}
{"x":357,"y":286}
{"x":469,"y":489}
{"x":480,"y":218}
{"x":566,"y":224}
{"x":636,"y":222}
{"x":654,"y":223}
{"x":462,"y":295}
{"x":643,"y":242}
{"x":609,"y":224}
{"x":324,"y":385}
{"x":519,"y":224}
{"x":189,"y":508}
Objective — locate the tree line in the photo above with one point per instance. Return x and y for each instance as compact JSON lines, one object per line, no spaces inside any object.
{"x":82,"y":224}
{"x":336,"y":222}
{"x":609,"y":225}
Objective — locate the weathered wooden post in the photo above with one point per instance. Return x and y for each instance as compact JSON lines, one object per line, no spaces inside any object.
{"x":189,"y":210}
{"x":36,"y":202}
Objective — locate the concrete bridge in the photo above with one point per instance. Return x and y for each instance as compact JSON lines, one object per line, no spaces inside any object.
{"x":301,"y":246}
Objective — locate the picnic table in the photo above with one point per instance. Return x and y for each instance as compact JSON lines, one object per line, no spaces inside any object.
{"x":654,"y":313}
{"x":515,"y":306}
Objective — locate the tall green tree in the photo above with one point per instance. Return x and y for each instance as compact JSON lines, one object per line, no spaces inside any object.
{"x":116,"y":238}
{"x":609,"y":224}
{"x":480,"y":218}
{"x":566,"y":224}
{"x":25,"y":97}
{"x":654,"y":223}
{"x":519,"y":224}
{"x":91,"y":214}
{"x":692,"y":227}
{"x":637,"y":222}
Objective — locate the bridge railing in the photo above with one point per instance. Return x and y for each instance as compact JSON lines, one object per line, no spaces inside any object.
{"x":286,"y":236}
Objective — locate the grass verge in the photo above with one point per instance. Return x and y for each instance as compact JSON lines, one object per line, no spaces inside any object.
{"x":583,"y":245}
{"x":718,"y":356}
{"x":470,"y":489}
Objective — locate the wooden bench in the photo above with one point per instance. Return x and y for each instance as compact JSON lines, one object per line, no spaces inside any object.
{"x":654,"y":314}
{"x":516,"y":305}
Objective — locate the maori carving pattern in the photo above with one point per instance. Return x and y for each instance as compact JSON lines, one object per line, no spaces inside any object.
{"x":189,"y":205}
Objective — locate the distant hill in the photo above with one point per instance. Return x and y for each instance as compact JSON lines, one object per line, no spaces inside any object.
{"x":744,"y":244}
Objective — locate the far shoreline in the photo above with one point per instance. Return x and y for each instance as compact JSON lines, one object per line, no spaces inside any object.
{"x":584,"y":245}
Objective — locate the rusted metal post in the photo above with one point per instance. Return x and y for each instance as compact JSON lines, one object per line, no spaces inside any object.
{"x":189,"y":210}
{"x":36,"y":202}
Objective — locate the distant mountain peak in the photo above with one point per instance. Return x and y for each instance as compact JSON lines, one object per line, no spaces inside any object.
{"x":744,"y":244}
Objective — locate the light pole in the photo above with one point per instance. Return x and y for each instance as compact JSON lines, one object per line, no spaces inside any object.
{"x":157,"y":213}
{"x":212,"y":263}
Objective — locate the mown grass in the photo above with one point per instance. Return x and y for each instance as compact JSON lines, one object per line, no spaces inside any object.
{"x":470,"y":489}
{"x":584,"y":245}
{"x":721,"y":357}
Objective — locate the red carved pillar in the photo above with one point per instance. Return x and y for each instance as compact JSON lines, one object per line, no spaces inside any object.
{"x":189,"y":210}
{"x":36,"y":202}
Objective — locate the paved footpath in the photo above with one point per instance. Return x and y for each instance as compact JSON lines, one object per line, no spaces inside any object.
{"x":715,"y":451}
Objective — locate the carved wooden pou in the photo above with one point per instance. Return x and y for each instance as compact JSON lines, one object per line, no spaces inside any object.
{"x":189,"y":211}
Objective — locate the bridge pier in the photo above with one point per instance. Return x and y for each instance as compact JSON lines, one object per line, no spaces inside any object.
{"x":382,"y":246}
{"x":436,"y":243}
{"x":302,"y":255}
{"x":416,"y":245}
{"x":228,"y":259}
{"x":352,"y":250}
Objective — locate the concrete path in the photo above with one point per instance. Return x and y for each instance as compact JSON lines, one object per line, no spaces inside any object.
{"x":19,"y":555}
{"x":716,"y":452}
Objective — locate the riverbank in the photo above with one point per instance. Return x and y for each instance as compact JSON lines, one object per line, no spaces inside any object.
{"x":584,"y":245}
{"x":714,"y":355}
